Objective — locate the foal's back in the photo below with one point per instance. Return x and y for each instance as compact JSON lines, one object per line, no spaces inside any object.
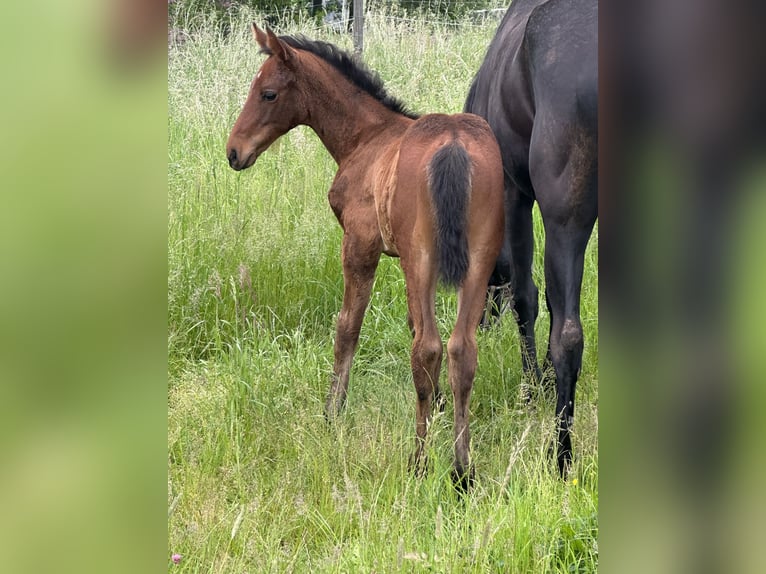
{"x":413,"y":213}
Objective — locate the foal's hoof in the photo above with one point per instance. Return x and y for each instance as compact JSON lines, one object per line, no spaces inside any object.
{"x":463,"y":480}
{"x":333,"y":407}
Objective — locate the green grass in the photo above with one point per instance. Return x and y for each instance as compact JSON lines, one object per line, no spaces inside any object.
{"x":257,"y":480}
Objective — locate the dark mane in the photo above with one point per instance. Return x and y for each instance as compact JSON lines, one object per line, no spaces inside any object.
{"x":353,"y":69}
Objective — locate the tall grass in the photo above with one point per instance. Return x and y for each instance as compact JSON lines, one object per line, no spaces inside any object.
{"x":257,"y":480}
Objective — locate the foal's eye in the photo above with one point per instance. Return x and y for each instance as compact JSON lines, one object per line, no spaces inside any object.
{"x":269,"y":96}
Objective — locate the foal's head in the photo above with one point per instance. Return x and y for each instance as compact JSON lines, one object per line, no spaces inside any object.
{"x":273,"y":107}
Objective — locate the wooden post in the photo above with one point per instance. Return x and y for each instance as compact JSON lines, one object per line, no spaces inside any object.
{"x":358,"y":25}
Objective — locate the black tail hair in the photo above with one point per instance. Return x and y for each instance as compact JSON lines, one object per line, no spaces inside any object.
{"x":449,"y":177}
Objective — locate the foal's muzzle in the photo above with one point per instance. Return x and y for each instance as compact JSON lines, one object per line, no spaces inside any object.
{"x":239,"y":163}
{"x":233,"y":159}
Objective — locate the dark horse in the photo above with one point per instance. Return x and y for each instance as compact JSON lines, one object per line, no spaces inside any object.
{"x":537,"y":88}
{"x":428,"y":190}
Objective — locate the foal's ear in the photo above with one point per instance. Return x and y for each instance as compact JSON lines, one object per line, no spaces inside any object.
{"x":277,"y":47}
{"x":260,"y":36}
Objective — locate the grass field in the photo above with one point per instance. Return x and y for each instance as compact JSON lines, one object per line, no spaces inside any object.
{"x":257,"y":480}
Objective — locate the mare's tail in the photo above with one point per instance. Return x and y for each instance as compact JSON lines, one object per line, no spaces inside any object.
{"x":449,"y":177}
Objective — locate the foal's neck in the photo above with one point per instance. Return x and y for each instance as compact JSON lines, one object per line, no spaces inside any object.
{"x":346,"y":117}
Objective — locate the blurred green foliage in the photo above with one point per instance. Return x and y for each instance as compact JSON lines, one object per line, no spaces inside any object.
{"x":187,"y":14}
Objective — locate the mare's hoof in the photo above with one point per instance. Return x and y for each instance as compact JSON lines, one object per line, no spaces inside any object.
{"x":565,"y":464}
{"x":563,"y":458}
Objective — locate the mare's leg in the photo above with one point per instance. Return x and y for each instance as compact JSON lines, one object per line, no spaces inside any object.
{"x":500,"y":277}
{"x":462,"y":355}
{"x":426,"y":355}
{"x":360,"y":260}
{"x":563,"y":168}
{"x":523,"y":288}
{"x":567,"y":235}
{"x":564,"y":251}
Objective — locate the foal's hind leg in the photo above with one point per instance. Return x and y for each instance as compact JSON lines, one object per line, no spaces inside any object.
{"x":462,"y":352}
{"x":426,"y":356}
{"x":360,"y":260}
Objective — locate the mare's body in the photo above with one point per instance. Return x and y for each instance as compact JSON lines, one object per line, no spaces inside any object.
{"x":537,"y":88}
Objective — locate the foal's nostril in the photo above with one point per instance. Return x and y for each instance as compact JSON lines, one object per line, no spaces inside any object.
{"x":232,"y":157}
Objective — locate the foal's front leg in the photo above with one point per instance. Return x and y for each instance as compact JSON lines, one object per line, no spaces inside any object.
{"x":360,"y":260}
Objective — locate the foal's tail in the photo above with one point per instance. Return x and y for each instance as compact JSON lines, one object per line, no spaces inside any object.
{"x":449,"y":177}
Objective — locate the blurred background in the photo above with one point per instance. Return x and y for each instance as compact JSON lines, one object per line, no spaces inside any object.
{"x":681,"y":309}
{"x":82,"y":302}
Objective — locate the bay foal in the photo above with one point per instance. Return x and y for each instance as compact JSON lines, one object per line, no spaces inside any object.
{"x":428,"y":190}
